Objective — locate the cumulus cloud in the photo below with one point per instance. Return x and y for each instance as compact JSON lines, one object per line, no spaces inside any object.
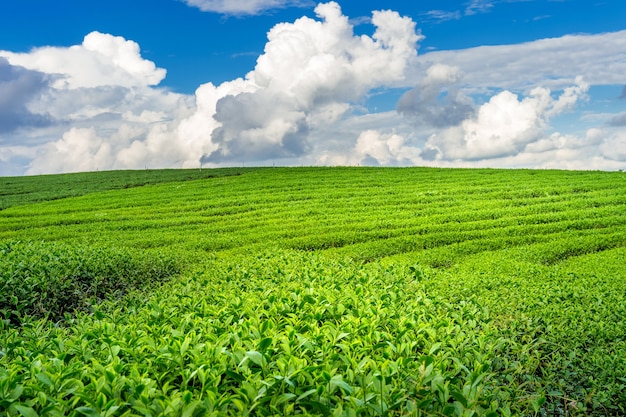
{"x":437,"y":101}
{"x":614,"y":147}
{"x":101,"y":60}
{"x":128,"y":146}
{"x":376,"y":148}
{"x":243,"y":7}
{"x":503,"y":126}
{"x":594,"y":149}
{"x":310,"y":72}
{"x":78,"y":108}
{"x":110,"y":114}
{"x":98,"y":105}
{"x":18,"y":87}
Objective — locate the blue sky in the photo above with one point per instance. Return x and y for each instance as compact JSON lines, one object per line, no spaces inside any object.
{"x":182,"y":83}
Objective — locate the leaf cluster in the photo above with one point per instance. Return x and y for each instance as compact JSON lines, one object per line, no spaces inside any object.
{"x":315,"y":291}
{"x":48,"y":280}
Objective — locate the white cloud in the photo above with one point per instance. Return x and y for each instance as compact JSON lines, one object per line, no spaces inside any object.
{"x":108,"y":114}
{"x":18,"y":86}
{"x":614,"y":147}
{"x":503,"y":126}
{"x":552,"y":62}
{"x":442,"y":15}
{"x":243,"y":7}
{"x":77,"y":108}
{"x":478,"y":6}
{"x":437,"y":100}
{"x":78,"y":150}
{"x":618,"y":120}
{"x":101,"y":60}
{"x":98,"y":106}
{"x":382,"y":148}
{"x":309,"y":74}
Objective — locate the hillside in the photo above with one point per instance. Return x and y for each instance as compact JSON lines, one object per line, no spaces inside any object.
{"x":323,"y":291}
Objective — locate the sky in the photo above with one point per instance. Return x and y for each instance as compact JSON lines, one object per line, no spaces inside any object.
{"x":87,"y":85}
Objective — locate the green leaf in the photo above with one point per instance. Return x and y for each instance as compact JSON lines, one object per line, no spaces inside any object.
{"x":234,"y":375}
{"x":255,"y":357}
{"x":536,"y":403}
{"x":187,"y":397}
{"x":115,"y":350}
{"x":306,"y":394}
{"x":45,"y":379}
{"x":265,"y":343}
{"x":88,"y":411}
{"x":16,"y":392}
{"x":434,"y":348}
{"x":283,"y":398}
{"x":449,"y":411}
{"x":238,"y":403}
{"x":337,"y":381}
{"x":26,"y":411}
{"x":458,"y":395}
{"x":189,"y":409}
{"x":184,"y":346}
{"x":111,"y":411}
{"x":342,"y":336}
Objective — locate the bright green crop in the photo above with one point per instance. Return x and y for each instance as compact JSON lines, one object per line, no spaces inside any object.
{"x":314,"y":291}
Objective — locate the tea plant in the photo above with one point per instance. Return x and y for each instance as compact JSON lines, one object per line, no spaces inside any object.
{"x":25,"y":190}
{"x":317,"y":291}
{"x":49,"y":280}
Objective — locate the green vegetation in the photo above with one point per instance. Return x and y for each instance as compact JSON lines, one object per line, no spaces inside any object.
{"x":25,"y":190}
{"x":41,"y":280}
{"x":314,"y":291}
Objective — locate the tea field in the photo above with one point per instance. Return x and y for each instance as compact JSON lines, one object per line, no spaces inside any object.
{"x":313,"y":291}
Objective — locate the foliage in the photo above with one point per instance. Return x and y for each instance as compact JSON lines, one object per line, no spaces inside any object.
{"x":26,"y":190}
{"x":326,"y":291}
{"x":49,"y":280}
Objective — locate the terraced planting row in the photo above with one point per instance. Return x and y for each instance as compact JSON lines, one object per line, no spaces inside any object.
{"x":320,"y":291}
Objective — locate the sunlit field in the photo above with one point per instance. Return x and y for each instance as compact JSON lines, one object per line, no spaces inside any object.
{"x":313,"y":291}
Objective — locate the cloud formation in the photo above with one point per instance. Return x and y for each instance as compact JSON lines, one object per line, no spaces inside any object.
{"x":552,"y":62}
{"x":379,"y":148}
{"x":308,"y":77}
{"x":618,"y":120}
{"x":471,"y":8}
{"x":101,"y":60}
{"x":243,"y":7}
{"x":437,"y":101}
{"x":503,"y":126}
{"x":18,"y":86}
{"x":478,"y":6}
{"x":80,"y":108}
{"x":109,"y":114}
{"x":614,"y":146}
{"x":98,"y":105}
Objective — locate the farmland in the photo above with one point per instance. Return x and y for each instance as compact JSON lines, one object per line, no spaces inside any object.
{"x":313,"y":291}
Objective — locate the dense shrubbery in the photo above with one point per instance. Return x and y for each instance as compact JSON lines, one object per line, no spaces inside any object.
{"x":49,"y":280}
{"x":341,"y":292}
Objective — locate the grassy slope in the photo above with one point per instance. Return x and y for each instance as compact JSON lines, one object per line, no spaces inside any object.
{"x":26,"y":190}
{"x":504,"y":291}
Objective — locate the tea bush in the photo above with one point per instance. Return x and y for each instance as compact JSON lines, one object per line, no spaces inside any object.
{"x":315,"y":291}
{"x":48,"y":280}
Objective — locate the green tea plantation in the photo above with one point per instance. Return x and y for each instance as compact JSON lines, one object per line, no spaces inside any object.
{"x":313,"y":291}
